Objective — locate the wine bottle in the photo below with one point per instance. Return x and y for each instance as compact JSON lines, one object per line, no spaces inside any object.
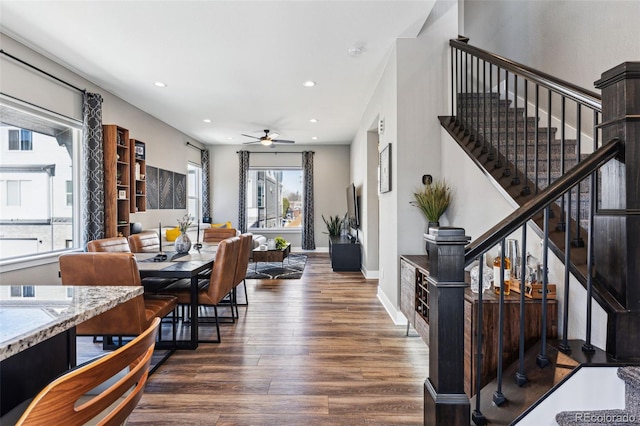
{"x":497,"y":263}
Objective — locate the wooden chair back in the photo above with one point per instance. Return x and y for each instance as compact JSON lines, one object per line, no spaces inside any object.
{"x":244,"y":254}
{"x":215,"y":235}
{"x":63,"y":400}
{"x":145,"y":242}
{"x":114,"y":244}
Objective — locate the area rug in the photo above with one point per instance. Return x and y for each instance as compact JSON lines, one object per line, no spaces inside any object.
{"x":291,"y":269}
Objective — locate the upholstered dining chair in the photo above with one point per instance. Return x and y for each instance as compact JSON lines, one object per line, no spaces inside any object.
{"x":215,"y":235}
{"x":244,"y":254}
{"x":124,"y":245}
{"x":145,"y":242}
{"x":104,"y":391}
{"x":113,"y":244}
{"x":108,"y":269}
{"x":217,"y":287}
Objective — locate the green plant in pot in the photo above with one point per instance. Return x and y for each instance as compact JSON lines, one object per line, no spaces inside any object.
{"x":334,"y":225}
{"x":433,"y":200}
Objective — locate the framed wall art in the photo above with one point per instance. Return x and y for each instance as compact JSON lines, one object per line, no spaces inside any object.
{"x":385,"y":169}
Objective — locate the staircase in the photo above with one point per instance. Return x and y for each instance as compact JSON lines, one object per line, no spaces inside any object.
{"x":556,"y":186}
{"x":629,"y":415}
{"x":493,"y":135}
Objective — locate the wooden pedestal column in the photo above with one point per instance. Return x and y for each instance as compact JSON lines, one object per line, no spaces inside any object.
{"x":617,"y":220}
{"x":445,"y":402}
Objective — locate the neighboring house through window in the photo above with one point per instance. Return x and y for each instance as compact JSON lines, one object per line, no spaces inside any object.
{"x":274,"y":198}
{"x":38,"y":173}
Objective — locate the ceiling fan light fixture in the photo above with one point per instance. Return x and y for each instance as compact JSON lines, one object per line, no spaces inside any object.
{"x":266,"y":142}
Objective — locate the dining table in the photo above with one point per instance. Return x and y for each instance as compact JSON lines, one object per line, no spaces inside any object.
{"x":192,"y":265}
{"x":37,"y":332}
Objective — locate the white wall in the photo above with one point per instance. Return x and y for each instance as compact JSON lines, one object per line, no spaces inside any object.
{"x":411,"y":93}
{"x":573,"y":40}
{"x":331,"y":177}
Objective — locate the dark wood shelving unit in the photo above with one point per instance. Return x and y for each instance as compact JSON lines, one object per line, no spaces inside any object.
{"x":117,"y":180}
{"x":138,"y":176}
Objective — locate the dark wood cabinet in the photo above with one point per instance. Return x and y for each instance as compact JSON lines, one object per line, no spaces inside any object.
{"x":345,"y":254}
{"x":414,"y":304}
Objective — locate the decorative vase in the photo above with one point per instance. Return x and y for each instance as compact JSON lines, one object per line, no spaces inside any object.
{"x":182,"y":244}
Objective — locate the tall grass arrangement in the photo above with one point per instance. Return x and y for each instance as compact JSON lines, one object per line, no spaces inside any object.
{"x":433,"y":199}
{"x":334,"y":225}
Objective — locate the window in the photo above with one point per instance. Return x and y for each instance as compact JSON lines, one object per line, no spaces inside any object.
{"x":20,"y":140}
{"x":38,"y":179}
{"x":69,"y":189}
{"x":194,"y":192}
{"x":23,"y":291}
{"x":274,"y":198}
{"x":13,"y":193}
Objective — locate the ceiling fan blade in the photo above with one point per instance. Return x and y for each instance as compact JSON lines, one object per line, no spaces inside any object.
{"x":282,"y":141}
{"x":249,"y":136}
{"x":250,"y":142}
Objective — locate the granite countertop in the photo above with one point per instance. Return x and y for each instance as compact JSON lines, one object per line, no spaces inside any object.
{"x":42,"y":311}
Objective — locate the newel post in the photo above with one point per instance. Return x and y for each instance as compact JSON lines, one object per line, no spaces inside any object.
{"x":617,"y":219}
{"x":445,"y":402}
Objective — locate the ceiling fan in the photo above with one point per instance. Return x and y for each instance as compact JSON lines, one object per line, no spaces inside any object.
{"x":267,"y":139}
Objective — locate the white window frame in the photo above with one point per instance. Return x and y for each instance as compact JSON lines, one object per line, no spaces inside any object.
{"x":46,"y":257}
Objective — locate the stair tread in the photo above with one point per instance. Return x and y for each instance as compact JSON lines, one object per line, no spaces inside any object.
{"x":539,"y":380}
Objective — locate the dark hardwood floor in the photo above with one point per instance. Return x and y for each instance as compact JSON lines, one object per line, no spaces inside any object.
{"x":316,"y":351}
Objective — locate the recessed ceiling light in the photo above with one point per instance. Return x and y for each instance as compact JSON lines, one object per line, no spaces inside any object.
{"x":315,"y":138}
{"x":309,"y":83}
{"x":314,"y":120}
{"x":206,"y":120}
{"x":230,"y":138}
{"x":355,"y":51}
{"x":160,"y":84}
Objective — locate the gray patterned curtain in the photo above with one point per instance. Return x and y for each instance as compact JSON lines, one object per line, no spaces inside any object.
{"x":243,"y":156}
{"x":206,"y":204}
{"x":92,"y":185}
{"x":308,"y":238}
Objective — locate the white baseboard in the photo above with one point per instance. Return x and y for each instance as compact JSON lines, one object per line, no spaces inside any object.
{"x":396,"y":315}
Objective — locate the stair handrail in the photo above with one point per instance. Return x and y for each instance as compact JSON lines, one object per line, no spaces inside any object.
{"x":547,"y":196}
{"x":564,"y":88}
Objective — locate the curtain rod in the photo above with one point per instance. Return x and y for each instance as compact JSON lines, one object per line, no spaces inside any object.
{"x":195,"y":146}
{"x":277,"y":152}
{"x":42,"y":71}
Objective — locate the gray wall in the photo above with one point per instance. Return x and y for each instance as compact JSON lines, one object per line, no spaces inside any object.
{"x":165,"y":145}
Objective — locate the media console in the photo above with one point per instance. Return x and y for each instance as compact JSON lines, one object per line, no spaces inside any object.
{"x":345,"y":253}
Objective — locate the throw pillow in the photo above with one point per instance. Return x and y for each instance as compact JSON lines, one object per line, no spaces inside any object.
{"x":172,"y":234}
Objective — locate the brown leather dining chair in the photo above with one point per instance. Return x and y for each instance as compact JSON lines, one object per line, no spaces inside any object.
{"x":217,"y":287}
{"x":111,"y":269}
{"x":123,"y":245}
{"x":244,"y":254}
{"x":113,"y":244}
{"x":104,"y":391}
{"x":145,"y":242}
{"x":215,"y":235}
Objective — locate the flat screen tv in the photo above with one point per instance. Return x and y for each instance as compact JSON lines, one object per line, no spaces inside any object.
{"x":352,"y":207}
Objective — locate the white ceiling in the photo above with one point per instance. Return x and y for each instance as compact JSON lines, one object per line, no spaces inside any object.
{"x":240,"y":64}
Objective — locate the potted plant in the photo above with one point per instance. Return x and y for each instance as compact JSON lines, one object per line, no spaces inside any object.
{"x":433,"y":200}
{"x":334,"y":225}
